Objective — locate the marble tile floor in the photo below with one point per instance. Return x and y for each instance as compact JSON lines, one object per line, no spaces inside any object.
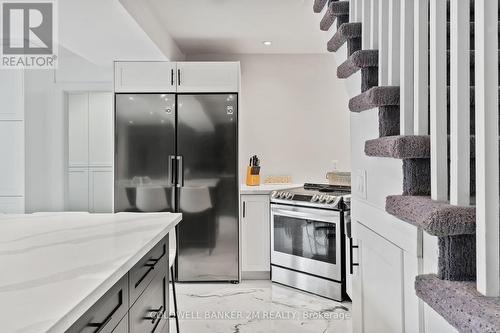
{"x":257,"y":306}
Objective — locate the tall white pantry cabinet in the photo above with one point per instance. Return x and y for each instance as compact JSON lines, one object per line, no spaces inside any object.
{"x":90,"y":152}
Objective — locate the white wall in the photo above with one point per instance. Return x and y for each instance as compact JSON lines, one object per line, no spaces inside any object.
{"x":293,"y":115}
{"x":46,"y":126}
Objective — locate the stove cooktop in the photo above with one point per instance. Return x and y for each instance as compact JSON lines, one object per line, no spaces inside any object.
{"x":315,"y":195}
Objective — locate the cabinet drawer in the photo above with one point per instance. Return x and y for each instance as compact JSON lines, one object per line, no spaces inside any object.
{"x":122,"y":327}
{"x":150,"y":311}
{"x":145,"y":270}
{"x":107,"y":312}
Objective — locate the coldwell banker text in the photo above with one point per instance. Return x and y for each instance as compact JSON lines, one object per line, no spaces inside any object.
{"x":29,"y":34}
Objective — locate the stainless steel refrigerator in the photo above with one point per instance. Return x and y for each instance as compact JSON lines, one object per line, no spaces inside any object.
{"x":178,"y":153}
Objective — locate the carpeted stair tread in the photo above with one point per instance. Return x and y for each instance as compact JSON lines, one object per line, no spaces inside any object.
{"x":436,"y":218}
{"x":318,"y":5}
{"x":345,"y":31}
{"x":357,"y":60}
{"x":400,"y":147}
{"x":335,"y":8}
{"x":408,"y":146}
{"x":460,"y":304}
{"x":374,"y":98}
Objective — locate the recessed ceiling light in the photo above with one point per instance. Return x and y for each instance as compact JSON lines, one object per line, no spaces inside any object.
{"x":267,"y":43}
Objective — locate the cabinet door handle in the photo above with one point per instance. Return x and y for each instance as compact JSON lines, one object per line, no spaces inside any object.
{"x":151,"y":264}
{"x":352,"y":264}
{"x":180,"y":171}
{"x":100,"y":326}
{"x":172,"y":77}
{"x":244,"y":209}
{"x":179,"y":77}
{"x":155,"y":314}
{"x":171,"y":169}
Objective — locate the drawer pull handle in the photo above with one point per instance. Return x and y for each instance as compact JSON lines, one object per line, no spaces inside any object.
{"x":100,"y":326}
{"x":352,"y":264}
{"x":155,"y":314}
{"x":151,"y":264}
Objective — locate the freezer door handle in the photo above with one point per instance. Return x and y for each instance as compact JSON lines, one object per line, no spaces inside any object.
{"x":171,"y":169}
{"x":180,"y":171}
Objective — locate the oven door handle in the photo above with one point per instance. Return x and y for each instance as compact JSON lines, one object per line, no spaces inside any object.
{"x":302,"y":215}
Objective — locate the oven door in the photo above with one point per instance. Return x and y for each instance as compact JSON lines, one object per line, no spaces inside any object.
{"x":306,"y":240}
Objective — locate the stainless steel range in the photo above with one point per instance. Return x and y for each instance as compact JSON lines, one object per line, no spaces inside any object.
{"x":307,"y":238}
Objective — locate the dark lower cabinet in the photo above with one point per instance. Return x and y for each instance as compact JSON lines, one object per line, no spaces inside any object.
{"x":149,"y":313}
{"x":122,"y":326}
{"x":137,"y":303}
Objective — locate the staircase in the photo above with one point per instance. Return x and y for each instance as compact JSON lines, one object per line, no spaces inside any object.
{"x":436,"y":147}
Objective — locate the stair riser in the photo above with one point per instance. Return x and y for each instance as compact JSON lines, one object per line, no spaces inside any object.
{"x":416,"y":174}
{"x":457,"y":258}
{"x":416,"y":177}
{"x":369,"y":78}
{"x":341,"y":20}
{"x":353,"y":45}
{"x":388,"y":121}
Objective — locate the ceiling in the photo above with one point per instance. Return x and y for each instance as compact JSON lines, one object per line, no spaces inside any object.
{"x":240,"y":26}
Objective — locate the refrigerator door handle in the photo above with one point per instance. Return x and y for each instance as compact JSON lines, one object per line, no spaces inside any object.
{"x":171,"y":169}
{"x":180,"y":171}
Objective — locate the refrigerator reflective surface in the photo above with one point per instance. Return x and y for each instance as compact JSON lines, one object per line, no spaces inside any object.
{"x":144,"y":146}
{"x":208,"y":193}
{"x":179,"y":153}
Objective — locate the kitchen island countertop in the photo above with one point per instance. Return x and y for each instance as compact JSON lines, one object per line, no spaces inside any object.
{"x":55,"y":266}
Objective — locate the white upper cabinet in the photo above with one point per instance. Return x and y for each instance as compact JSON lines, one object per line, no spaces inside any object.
{"x":208,"y":77}
{"x":183,"y":77}
{"x":78,"y":129}
{"x":100,"y":129}
{"x":151,"y":76}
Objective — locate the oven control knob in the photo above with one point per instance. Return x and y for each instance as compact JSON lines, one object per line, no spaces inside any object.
{"x":289,"y":195}
{"x":330,"y":199}
{"x":322,"y":198}
{"x":315,"y":198}
{"x":273,"y":194}
{"x":282,"y":195}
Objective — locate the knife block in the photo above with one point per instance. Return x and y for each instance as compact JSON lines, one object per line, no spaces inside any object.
{"x":252,"y":179}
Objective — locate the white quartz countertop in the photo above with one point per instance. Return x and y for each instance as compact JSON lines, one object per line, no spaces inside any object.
{"x":55,"y":266}
{"x":265,"y":188}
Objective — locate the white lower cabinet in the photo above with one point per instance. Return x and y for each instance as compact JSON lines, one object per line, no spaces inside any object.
{"x":78,"y":190}
{"x":101,"y":190}
{"x":90,"y":190}
{"x":255,"y":236}
{"x":378,"y":285}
